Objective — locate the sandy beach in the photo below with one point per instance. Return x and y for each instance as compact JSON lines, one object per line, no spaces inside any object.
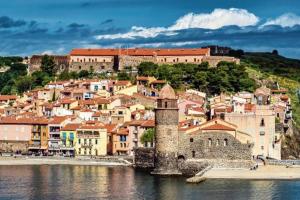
{"x":270,"y":172}
{"x":60,"y":161}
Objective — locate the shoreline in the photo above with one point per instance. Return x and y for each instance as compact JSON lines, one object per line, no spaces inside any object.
{"x":11,"y":161}
{"x":269,"y":172}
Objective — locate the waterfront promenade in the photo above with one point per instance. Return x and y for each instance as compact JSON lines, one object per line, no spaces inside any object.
{"x":268,"y":172}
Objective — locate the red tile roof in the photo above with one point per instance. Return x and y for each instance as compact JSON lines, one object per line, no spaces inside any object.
{"x":7,"y":97}
{"x":70,"y":127}
{"x":148,"y":123}
{"x":58,"y":119}
{"x":218,"y":127}
{"x":24,"y":120}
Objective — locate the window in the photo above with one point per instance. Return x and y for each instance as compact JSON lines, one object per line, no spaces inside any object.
{"x":96,"y":141}
{"x":218,"y":142}
{"x":79,"y":141}
{"x":209,"y":142}
{"x":261,"y":133}
{"x":262,"y":147}
{"x":262,"y":122}
{"x":166,"y":104}
{"x":225,"y":142}
{"x":79,"y":67}
{"x":193,"y":154}
{"x":121,"y":144}
{"x":191,"y":139}
{"x":79,"y":151}
{"x":277,"y":114}
{"x":222,"y":116}
{"x":90,"y":141}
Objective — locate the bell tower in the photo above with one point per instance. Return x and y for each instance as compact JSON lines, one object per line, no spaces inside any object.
{"x":166,"y":133}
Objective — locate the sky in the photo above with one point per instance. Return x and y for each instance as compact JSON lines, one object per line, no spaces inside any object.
{"x":57,"y":26}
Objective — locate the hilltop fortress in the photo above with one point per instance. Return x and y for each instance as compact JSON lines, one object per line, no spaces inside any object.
{"x":109,"y":60}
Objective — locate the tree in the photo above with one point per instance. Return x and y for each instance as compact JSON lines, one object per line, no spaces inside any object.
{"x":23,"y":84}
{"x":123,"y":76}
{"x":148,"y":136}
{"x":200,"y":81}
{"x":83,"y":74}
{"x":275,"y":52}
{"x":48,"y":65}
{"x":147,"y":69}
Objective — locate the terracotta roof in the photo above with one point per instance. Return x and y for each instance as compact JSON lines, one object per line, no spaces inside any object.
{"x":7,"y":97}
{"x":167,"y":92}
{"x":158,"y":82}
{"x":58,"y":119}
{"x":140,"y":52}
{"x":142,"y":78}
{"x":67,"y":100}
{"x":92,"y":127}
{"x":102,"y":100}
{"x":249,"y":107}
{"x":70,"y":127}
{"x":24,"y":120}
{"x":148,"y":123}
{"x":121,"y":131}
{"x":284,"y":97}
{"x":110,"y":127}
{"x":218,"y":127}
{"x":136,"y":122}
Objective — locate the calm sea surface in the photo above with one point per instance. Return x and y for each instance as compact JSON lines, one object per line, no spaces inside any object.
{"x":95,"y":182}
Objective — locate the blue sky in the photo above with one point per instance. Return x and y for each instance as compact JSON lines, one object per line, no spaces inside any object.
{"x":57,"y":26}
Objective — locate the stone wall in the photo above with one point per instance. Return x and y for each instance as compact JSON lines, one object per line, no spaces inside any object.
{"x":144,"y":157}
{"x":134,"y":61}
{"x":13,"y":146}
{"x":98,"y":67}
{"x":211,"y":146}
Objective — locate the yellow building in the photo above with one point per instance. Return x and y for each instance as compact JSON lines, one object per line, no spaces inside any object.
{"x":68,"y":139}
{"x":128,"y":90}
{"x":91,"y":140}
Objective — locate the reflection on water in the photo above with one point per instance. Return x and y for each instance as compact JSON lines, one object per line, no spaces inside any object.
{"x":95,"y":182}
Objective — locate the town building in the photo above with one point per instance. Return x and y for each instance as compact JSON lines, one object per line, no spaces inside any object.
{"x":91,"y":140}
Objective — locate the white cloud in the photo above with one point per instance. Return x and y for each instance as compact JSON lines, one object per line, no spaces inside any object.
{"x":214,"y":20}
{"x":53,"y":52}
{"x":285,"y":20}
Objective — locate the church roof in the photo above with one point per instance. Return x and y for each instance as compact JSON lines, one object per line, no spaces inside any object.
{"x":167,"y":92}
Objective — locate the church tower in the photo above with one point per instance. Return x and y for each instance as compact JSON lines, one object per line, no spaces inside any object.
{"x":166,"y":133}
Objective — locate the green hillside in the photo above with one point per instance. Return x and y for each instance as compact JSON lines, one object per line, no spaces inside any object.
{"x":275,"y":68}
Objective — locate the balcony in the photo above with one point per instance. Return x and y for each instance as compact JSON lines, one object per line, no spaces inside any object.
{"x":86,"y":145}
{"x":36,"y":130}
{"x":34,"y":146}
{"x":54,"y":138}
{"x":36,"y":137}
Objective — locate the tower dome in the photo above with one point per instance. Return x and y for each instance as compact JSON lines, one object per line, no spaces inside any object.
{"x":167,"y":92}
